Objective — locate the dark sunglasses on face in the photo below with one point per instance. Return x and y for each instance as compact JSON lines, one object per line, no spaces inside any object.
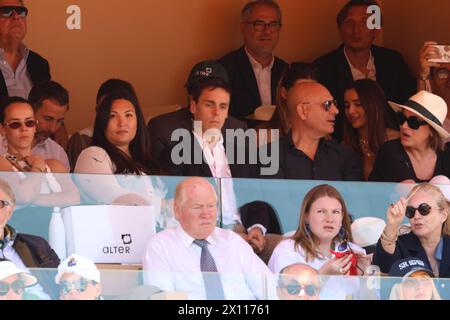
{"x":424,"y":209}
{"x":17,"y":124}
{"x":413,"y":122}
{"x":293,"y":288}
{"x":79,"y":285}
{"x":8,"y":11}
{"x":443,"y":74}
{"x":326,"y":104}
{"x":17,"y":286}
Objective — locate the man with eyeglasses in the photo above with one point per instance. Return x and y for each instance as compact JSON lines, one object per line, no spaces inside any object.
{"x":253,"y":70}
{"x":358,"y":58}
{"x":298,"y":282}
{"x":307,"y":152}
{"x":20,"y":67}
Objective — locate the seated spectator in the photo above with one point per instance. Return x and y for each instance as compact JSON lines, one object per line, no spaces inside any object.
{"x":368,"y":121}
{"x":297,"y":72}
{"x":78,"y":279}
{"x":358,"y":58}
{"x":120,"y":145}
{"x":420,"y":153}
{"x":323,"y":241}
{"x":305,"y":152}
{"x":82,"y":139}
{"x":18,"y":125}
{"x":298,"y":281}
{"x":417,"y":281}
{"x":428,"y":213}
{"x":24,"y":250}
{"x":220,"y":264}
{"x":50,"y":102}
{"x":163,"y":126}
{"x":253,"y":69}
{"x":435,"y":77}
{"x":14,"y":282}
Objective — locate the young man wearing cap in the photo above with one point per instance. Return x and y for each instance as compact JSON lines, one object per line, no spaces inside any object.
{"x":14,"y":281}
{"x":358,"y":58}
{"x":161,"y":127}
{"x":253,"y":69}
{"x":78,"y":279}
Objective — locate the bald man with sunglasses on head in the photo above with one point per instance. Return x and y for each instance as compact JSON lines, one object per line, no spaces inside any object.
{"x":20,"y":67}
{"x":306,"y":152}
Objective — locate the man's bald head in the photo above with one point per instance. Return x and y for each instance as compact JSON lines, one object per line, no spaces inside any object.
{"x":304,"y":91}
{"x":185,"y":187}
{"x":299,"y":282}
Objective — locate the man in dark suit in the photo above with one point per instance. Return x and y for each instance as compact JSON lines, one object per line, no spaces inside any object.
{"x":357,"y":58}
{"x":161,"y":127}
{"x":21,"y":68}
{"x":253,"y":69}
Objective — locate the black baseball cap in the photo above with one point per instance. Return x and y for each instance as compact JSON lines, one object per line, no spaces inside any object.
{"x":207,"y":69}
{"x":406,"y":267}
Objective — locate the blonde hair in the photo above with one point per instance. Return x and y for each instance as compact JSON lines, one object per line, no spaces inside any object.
{"x":397,"y":293}
{"x":6,"y":188}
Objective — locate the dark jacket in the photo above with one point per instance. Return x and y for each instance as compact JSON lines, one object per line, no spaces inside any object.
{"x":392,"y":74}
{"x":245,"y":96}
{"x":38,"y":69}
{"x":409,"y":245}
{"x":161,"y":127}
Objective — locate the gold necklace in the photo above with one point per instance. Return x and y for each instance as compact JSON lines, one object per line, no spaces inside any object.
{"x":365,"y":148}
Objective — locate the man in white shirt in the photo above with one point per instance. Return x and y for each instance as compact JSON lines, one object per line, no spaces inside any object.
{"x":179,"y":258}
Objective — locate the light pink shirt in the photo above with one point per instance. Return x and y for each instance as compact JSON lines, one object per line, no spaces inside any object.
{"x":263,"y":78}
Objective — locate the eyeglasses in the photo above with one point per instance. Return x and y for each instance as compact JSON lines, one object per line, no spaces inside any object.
{"x":17,"y":124}
{"x":424,"y":209}
{"x":293,"y":288}
{"x":259,"y":25}
{"x":4,"y":203}
{"x":79,"y":285}
{"x":443,"y":74}
{"x":8,"y":11}
{"x":17,"y":286}
{"x":326,"y":104}
{"x":413,"y":122}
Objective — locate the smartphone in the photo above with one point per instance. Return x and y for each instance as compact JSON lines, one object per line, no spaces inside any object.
{"x":444,"y":50}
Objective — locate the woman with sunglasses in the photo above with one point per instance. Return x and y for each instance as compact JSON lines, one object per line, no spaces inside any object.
{"x":18,"y":126}
{"x":420,"y":153}
{"x":428,"y":213}
{"x":14,"y":282}
{"x":368,"y":123}
{"x":323,"y":241}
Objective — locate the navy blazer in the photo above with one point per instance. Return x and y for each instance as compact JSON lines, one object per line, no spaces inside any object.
{"x":392,"y":74}
{"x":245,"y":96}
{"x":38,"y":69}
{"x":409,"y":245}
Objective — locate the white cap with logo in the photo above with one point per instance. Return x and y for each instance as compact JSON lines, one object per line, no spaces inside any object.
{"x":79,"y":265}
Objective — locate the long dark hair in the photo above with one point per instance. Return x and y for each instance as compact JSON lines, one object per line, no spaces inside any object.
{"x":375,"y":105}
{"x":140,"y":161}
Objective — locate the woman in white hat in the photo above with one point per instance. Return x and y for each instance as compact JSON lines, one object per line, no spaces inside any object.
{"x":420,"y":153}
{"x":13,"y":281}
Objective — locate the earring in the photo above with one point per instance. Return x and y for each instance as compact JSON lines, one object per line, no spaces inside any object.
{"x":307,"y":229}
{"x":342,"y":233}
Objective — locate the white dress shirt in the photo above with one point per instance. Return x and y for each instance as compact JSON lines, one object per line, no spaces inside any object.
{"x":263,"y":79}
{"x":18,"y":83}
{"x":336,"y":288}
{"x":358,"y":75}
{"x":172,"y":263}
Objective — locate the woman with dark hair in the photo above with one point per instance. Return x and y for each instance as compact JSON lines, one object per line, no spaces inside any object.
{"x":120,"y":145}
{"x":323,"y":241}
{"x":368,"y":122}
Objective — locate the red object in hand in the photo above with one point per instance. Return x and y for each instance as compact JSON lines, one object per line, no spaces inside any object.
{"x":353,"y":260}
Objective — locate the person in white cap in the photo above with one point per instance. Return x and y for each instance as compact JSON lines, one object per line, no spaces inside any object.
{"x":78,"y":279}
{"x":420,"y":153}
{"x":13,"y":281}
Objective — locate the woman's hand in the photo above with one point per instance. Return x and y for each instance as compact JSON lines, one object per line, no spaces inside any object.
{"x":36,"y":162}
{"x":395,"y":215}
{"x":337,"y":266}
{"x":428,"y":51}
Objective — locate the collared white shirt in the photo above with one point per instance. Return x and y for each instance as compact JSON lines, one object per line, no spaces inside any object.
{"x":358,"y":75}
{"x":263,"y":79}
{"x":336,"y":288}
{"x":172,"y":263}
{"x":18,"y":83}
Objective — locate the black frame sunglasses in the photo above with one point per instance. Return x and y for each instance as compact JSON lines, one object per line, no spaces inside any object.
{"x":413,"y":121}
{"x":293,"y":288}
{"x":17,"y":286}
{"x":30,"y":123}
{"x":424,"y":209}
{"x":7,"y":11}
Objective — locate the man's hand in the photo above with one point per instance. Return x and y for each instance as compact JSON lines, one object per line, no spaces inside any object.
{"x":256,"y":239}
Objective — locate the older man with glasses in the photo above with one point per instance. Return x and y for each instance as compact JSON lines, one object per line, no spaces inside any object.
{"x":253,"y":70}
{"x":20,"y":67}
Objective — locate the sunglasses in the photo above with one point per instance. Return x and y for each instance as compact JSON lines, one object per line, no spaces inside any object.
{"x":17,"y":124}
{"x":424,"y":209}
{"x":443,"y":74}
{"x":8,"y":11}
{"x":17,"y":286}
{"x":4,"y":203}
{"x":413,"y":122}
{"x":79,"y":285}
{"x":326,"y":104}
{"x":293,"y":288}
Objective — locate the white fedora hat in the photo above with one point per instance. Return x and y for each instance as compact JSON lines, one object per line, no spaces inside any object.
{"x":367,"y":230}
{"x":429,"y":107}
